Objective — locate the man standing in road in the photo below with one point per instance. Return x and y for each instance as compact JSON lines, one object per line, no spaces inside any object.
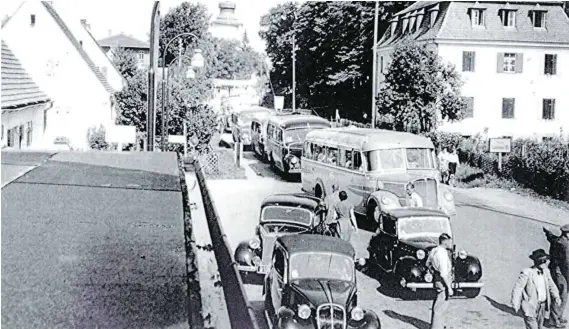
{"x":534,"y":290}
{"x":559,"y":268}
{"x":331,"y":200}
{"x":440,"y":263}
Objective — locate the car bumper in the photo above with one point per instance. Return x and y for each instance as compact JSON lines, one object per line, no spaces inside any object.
{"x":256,"y":269}
{"x":455,"y":285}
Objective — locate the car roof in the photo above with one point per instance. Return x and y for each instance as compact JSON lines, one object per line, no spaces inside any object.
{"x":301,"y":243}
{"x":288,"y":120}
{"x":292,"y":199}
{"x":415,"y":212}
{"x":369,"y":139}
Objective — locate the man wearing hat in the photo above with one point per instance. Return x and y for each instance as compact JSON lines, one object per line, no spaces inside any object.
{"x":559,"y":268}
{"x":534,"y":291}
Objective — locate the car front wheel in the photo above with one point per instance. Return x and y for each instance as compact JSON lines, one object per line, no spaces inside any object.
{"x":471,"y":293}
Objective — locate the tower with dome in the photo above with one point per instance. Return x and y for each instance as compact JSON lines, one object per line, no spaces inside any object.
{"x":226,"y":25}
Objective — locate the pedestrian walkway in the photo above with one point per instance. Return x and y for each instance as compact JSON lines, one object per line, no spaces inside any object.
{"x":213,"y":302}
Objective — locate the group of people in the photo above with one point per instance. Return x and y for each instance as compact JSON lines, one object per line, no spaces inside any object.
{"x":340,"y":216}
{"x":449,"y":163}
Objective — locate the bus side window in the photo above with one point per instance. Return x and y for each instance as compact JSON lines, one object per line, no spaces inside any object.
{"x":357,"y":159}
{"x":342,"y":157}
{"x":270,"y":129}
{"x":280,"y":135}
{"x":308,"y":150}
{"x":348,"y":161}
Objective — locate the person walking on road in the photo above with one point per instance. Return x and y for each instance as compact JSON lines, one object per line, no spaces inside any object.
{"x":330,"y":201}
{"x":559,"y":268}
{"x":440,"y":263}
{"x":346,"y":218}
{"x":534,"y":291}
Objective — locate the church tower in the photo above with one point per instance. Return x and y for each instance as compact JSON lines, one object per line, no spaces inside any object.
{"x":226,"y":25}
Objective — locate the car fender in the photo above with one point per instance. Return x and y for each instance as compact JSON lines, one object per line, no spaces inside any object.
{"x":370,"y":321}
{"x":446,"y":200}
{"x":404,"y":264}
{"x":463,"y":266}
{"x":322,"y":186}
{"x":244,"y":254}
{"x":384,"y":195}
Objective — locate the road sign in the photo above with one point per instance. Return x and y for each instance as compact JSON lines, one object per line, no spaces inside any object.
{"x":500,"y":145}
{"x":177,"y":139}
{"x":279,"y":102}
{"x":121,"y":134}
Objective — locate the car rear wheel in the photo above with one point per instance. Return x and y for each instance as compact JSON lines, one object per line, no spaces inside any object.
{"x":471,"y":293}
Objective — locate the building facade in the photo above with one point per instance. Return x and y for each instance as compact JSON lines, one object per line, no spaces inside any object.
{"x":140,"y":48}
{"x":59,"y":59}
{"x":24,"y":105}
{"x":513,"y":59}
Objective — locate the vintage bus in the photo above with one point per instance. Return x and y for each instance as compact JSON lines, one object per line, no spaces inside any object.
{"x":259,"y":133}
{"x":242,"y":122}
{"x":373,"y":166}
{"x":285,"y":137}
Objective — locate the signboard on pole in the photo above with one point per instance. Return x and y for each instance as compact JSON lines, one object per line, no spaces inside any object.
{"x":121,"y":134}
{"x":279,"y":102}
{"x":500,"y":145}
{"x":176,"y":139}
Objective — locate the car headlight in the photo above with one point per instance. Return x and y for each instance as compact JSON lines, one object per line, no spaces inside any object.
{"x":256,"y":260}
{"x":254,"y":243}
{"x":357,"y":313}
{"x":429,"y":277}
{"x":462,"y":254}
{"x":385,"y":200}
{"x":420,"y":254}
{"x":304,"y":311}
{"x":294,"y":160}
{"x":448,"y":196}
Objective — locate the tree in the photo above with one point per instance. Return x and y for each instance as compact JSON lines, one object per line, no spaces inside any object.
{"x":126,"y":61}
{"x":131,"y":102}
{"x":234,"y":61}
{"x":418,"y":88}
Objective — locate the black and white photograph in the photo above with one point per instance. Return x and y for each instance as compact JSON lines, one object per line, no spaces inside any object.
{"x":278,"y":164}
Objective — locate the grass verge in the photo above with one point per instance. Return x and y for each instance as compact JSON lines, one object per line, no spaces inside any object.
{"x":226,"y":168}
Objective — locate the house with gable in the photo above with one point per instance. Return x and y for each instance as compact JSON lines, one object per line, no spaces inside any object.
{"x":62,"y":60}
{"x":140,"y":48}
{"x":24,"y":105}
{"x":513,"y":58}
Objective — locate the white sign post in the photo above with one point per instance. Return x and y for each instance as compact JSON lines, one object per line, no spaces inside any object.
{"x":121,"y":135}
{"x":180,"y":139}
{"x":279,"y":103}
{"x":500,"y":145}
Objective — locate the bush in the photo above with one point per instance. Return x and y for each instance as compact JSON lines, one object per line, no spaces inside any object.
{"x":443,"y":140}
{"x":96,"y":138}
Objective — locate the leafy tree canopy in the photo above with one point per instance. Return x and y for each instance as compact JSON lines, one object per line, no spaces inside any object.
{"x":419,"y":90}
{"x":126,"y":61}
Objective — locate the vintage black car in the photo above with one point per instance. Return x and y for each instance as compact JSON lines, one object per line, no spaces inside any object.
{"x":280,"y":214}
{"x":312,"y":284}
{"x":402,"y":245}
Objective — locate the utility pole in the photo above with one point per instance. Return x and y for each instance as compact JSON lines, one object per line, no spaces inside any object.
{"x":374,"y":73}
{"x":151,"y":115}
{"x":294,"y":60}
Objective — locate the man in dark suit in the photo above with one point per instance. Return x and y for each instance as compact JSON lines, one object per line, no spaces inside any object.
{"x":559,"y":268}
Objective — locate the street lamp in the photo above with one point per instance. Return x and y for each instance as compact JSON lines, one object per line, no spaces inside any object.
{"x":196,"y":61}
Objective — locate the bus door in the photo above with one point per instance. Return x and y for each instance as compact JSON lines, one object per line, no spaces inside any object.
{"x":358,"y":180}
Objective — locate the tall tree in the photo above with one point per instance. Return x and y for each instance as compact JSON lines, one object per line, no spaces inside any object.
{"x":419,"y":90}
{"x":126,"y":61}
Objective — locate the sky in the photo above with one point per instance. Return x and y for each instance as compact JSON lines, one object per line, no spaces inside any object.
{"x":133,"y":17}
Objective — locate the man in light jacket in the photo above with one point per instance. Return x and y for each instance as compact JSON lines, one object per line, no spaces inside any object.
{"x":534,"y":291}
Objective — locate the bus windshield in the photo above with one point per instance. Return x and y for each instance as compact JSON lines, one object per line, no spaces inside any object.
{"x":296,"y":135}
{"x":400,"y":158}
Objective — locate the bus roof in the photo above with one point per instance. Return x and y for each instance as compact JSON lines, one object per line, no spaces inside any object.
{"x":292,"y":120}
{"x":369,"y":139}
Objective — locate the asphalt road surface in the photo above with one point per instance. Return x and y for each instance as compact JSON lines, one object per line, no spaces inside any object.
{"x":501,"y":241}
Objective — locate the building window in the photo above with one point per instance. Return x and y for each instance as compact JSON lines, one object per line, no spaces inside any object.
{"x":32,"y":20}
{"x":550,"y":64}
{"x":468,"y":61}
{"x":10,"y":137}
{"x":381,"y":64}
{"x":547,"y":139}
{"x":548,"y":112}
{"x":141,"y":56}
{"x":508,"y":18}
{"x":508,"y":105}
{"x":510,"y":63}
{"x":469,"y":111}
{"x":29,"y":133}
{"x":538,"y":19}
{"x":477,"y":17}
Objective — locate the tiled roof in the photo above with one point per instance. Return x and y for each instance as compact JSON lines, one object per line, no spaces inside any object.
{"x":453,"y":23}
{"x":124,"y":41}
{"x":98,"y":45}
{"x":78,"y":46}
{"x":18,"y":88}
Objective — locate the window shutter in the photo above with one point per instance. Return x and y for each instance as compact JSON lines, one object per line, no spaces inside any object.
{"x":464,"y":61}
{"x":500,"y":63}
{"x":519,"y":63}
{"x":544,"y":109}
{"x":472,"y":61}
{"x":552,"y":115}
{"x":554,"y":64}
{"x":544,"y":20}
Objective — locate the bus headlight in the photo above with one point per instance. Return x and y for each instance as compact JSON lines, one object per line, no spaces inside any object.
{"x":462,"y":254}
{"x":304,"y":311}
{"x":385,"y":200}
{"x":420,"y":254}
{"x":357,"y":313}
{"x":294,"y":160}
{"x":448,"y":196}
{"x":429,"y":277}
{"x":254,"y":243}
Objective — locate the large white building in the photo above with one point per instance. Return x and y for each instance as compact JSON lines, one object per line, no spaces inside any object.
{"x":65,"y":61}
{"x":513,"y":58}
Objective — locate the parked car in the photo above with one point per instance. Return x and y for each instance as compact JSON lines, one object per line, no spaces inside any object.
{"x":280,"y":214}
{"x":402,"y":245}
{"x":312,"y":284}
{"x":242,"y":121}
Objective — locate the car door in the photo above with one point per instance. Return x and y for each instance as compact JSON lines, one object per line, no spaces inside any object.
{"x":277,"y":279}
{"x":385,"y":244}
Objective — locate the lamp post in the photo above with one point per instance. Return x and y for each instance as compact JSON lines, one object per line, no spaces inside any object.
{"x":196,"y":61}
{"x":151,"y":115}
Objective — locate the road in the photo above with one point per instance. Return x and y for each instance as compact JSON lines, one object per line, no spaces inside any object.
{"x":501,"y":241}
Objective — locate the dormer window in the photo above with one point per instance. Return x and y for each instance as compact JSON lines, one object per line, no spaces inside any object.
{"x":538,"y":19}
{"x":32,"y":20}
{"x":477,"y":17}
{"x":508,"y":17}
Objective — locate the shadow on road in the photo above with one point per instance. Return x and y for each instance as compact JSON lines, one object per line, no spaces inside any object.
{"x":502,"y":307}
{"x":419,"y":324}
{"x":258,"y":307}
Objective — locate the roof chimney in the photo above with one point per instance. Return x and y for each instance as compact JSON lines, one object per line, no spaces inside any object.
{"x":84,"y":23}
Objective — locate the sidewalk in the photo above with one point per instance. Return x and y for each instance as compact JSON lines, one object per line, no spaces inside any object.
{"x":511,"y":203}
{"x":213,"y":302}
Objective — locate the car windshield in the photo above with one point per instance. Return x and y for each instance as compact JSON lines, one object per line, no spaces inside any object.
{"x":321,"y":266}
{"x":296,"y":135}
{"x":413,"y":227}
{"x":400,"y":158}
{"x":286,"y":214}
